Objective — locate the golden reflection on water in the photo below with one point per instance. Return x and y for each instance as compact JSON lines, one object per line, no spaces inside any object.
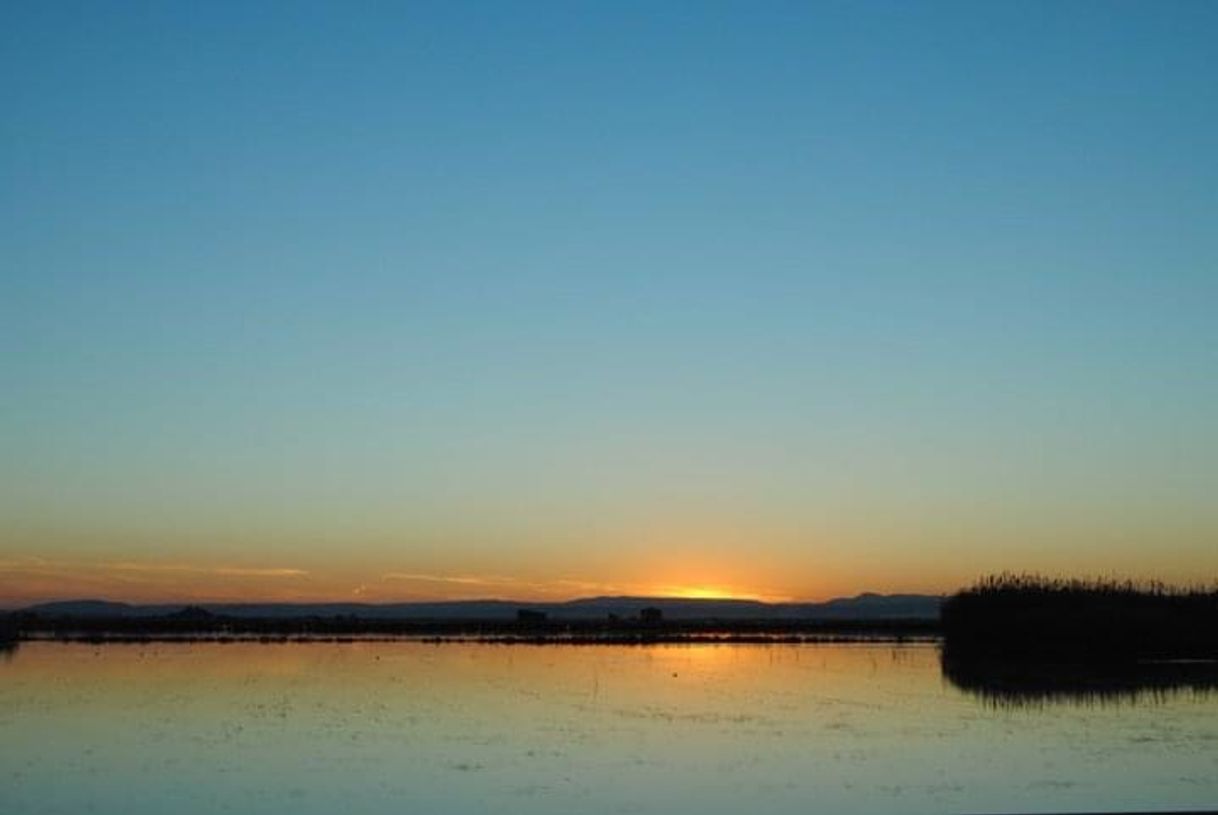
{"x":129,"y":668}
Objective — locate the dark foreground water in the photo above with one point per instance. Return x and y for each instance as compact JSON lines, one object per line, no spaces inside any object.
{"x":469,"y":728}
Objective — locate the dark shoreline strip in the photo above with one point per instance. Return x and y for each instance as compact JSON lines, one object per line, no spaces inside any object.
{"x":493,"y":639}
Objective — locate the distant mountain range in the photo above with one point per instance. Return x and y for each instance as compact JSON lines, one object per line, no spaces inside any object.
{"x":861,"y":607}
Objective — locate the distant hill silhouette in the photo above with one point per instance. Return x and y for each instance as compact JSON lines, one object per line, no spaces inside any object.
{"x":867,"y":606}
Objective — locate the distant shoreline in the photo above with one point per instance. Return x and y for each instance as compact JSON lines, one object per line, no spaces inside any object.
{"x":504,"y":639}
{"x":220,"y":630}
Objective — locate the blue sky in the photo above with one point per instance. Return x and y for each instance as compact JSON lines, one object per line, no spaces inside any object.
{"x":786,"y":299}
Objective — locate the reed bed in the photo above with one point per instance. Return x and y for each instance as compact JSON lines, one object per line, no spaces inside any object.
{"x":1081,"y":620}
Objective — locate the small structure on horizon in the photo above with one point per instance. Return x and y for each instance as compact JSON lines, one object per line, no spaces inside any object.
{"x":191,"y":613}
{"x":529,"y":616}
{"x":651,"y":615}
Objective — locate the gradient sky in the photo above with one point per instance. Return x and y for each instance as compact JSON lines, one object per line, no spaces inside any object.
{"x":407,"y":300}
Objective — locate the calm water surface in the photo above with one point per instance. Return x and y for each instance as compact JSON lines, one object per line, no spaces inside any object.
{"x":471,"y":728}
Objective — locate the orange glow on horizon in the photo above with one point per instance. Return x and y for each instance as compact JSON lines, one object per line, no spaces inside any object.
{"x":705,"y":593}
{"x":710,"y":592}
{"x":32,"y":579}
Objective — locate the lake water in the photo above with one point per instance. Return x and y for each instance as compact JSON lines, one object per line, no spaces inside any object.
{"x":409,"y":727}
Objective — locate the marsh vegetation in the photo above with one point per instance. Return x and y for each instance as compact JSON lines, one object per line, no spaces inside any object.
{"x":1029,"y":617}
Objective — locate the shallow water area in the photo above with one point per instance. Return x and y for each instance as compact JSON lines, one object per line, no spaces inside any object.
{"x":372,"y":727}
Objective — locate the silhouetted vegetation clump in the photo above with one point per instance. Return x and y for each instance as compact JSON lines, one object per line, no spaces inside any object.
{"x":8,"y":629}
{"x":1079,"y":621}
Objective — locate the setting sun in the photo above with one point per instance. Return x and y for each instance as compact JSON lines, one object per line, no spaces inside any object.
{"x":705,"y":593}
{"x":702,"y":592}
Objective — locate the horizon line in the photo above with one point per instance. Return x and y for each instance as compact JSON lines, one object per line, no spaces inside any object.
{"x":9,"y":606}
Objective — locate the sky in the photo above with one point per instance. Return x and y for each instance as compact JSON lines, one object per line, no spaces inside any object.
{"x":393,"y":301}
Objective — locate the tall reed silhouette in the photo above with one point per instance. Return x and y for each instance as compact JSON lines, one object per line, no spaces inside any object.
{"x":1028,"y":616}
